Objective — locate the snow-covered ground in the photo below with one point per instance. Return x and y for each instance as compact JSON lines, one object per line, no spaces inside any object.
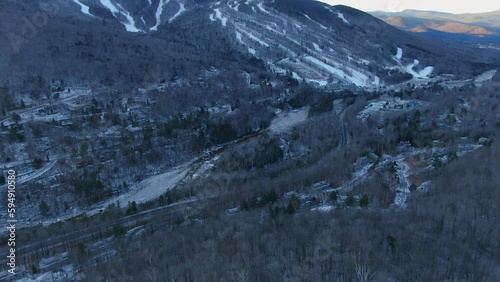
{"x":250,"y":35}
{"x":422,"y":74}
{"x":235,"y":7}
{"x":119,"y":10}
{"x":30,"y":176}
{"x":84,"y":8}
{"x":399,"y":54}
{"x":286,"y":120}
{"x":153,"y":187}
{"x":68,"y":273}
{"x":316,"y":47}
{"x":218,"y":15}
{"x":324,"y":208}
{"x":159,"y":12}
{"x":382,"y":105}
{"x":357,"y":78}
{"x":261,"y":7}
{"x":309,"y":18}
{"x":181,"y":10}
{"x":296,"y":76}
{"x":403,"y":188}
{"x":239,"y":37}
{"x":485,"y":76}
{"x":341,"y":16}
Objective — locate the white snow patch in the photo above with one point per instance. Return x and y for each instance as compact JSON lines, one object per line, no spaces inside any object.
{"x":261,"y":7}
{"x":251,"y":51}
{"x":399,"y":54}
{"x":322,"y":26}
{"x":426,"y":72}
{"x":181,"y":10}
{"x":239,"y":37}
{"x":212,"y":17}
{"x":341,"y":16}
{"x":325,"y":208}
{"x":409,"y":68}
{"x":153,"y":187}
{"x":38,"y":173}
{"x":485,"y":76}
{"x":219,"y":16}
{"x":316,"y":47}
{"x":320,"y":82}
{"x":159,"y":12}
{"x":358,"y":78}
{"x":422,"y":74}
{"x":85,"y":9}
{"x":296,"y":76}
{"x":130,"y":25}
{"x":286,"y":120}
{"x":276,"y":69}
{"x":403,"y":189}
{"x":236,"y":7}
{"x":255,"y":38}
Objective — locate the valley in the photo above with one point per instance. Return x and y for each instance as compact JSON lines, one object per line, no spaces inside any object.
{"x":253,"y":140}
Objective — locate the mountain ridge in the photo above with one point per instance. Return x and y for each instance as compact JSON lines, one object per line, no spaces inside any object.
{"x":307,"y":40}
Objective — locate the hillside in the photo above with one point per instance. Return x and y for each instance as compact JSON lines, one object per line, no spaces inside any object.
{"x":481,"y":28}
{"x":246,"y":140}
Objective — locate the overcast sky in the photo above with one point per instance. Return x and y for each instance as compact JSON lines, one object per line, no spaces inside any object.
{"x":450,"y":6}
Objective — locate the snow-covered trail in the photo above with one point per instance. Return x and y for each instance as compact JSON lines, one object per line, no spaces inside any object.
{"x":485,"y":76}
{"x":84,"y":8}
{"x":159,"y":12}
{"x":403,"y":188}
{"x":252,"y":36}
{"x":28,"y":177}
{"x":119,"y":10}
{"x":341,"y":16}
{"x":218,"y":15}
{"x":359,"y":176}
{"x":181,"y":10}
{"x":285,"y":121}
{"x":399,"y":54}
{"x":155,"y":186}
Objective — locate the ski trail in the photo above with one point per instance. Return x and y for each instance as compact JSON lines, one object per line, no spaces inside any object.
{"x":130,"y":25}
{"x":181,"y":10}
{"x":85,"y":9}
{"x":159,"y":12}
{"x":38,"y":173}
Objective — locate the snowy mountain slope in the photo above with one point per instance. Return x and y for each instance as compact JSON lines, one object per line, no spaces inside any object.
{"x":135,"y":16}
{"x":305,"y":39}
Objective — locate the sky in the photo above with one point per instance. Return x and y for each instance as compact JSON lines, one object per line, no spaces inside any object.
{"x":450,"y":6}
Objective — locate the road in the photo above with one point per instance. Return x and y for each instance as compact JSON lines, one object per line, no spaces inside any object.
{"x":28,"y":177}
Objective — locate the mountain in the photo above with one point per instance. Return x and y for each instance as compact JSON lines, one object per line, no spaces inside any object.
{"x":488,"y":19}
{"x":481,"y":28}
{"x":118,"y":42}
{"x":243,"y":140}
